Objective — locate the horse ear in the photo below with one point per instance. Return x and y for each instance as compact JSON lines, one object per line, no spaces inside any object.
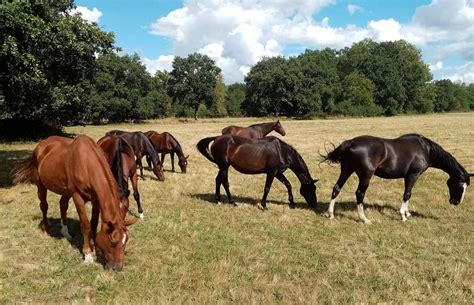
{"x":187,"y":157}
{"x":315,"y":180}
{"x":129,"y":222}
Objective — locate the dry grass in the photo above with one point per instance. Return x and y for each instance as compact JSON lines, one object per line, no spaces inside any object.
{"x":189,"y":250}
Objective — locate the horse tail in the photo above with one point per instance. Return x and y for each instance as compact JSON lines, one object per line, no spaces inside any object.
{"x":117,"y":168}
{"x":334,"y":156}
{"x":203,"y":147}
{"x":25,"y":172}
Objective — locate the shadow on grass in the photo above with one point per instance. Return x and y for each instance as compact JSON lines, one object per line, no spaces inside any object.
{"x":74,"y":228}
{"x":321,"y":207}
{"x":8,"y":160}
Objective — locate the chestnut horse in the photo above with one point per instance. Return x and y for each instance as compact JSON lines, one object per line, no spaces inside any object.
{"x":405,"y":157}
{"x":165,"y":143}
{"x":121,"y":159}
{"x":269,"y":156}
{"x":255,"y":131}
{"x":142,"y":147}
{"x":78,"y":169}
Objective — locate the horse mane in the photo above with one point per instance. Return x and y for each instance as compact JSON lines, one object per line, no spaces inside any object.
{"x":440,"y":156}
{"x":150,"y":148}
{"x":260,"y":124}
{"x":298,"y":160}
{"x":117,"y":170}
{"x":179,"y":150}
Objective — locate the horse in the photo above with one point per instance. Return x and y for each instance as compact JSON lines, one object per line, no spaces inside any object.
{"x":121,"y":159}
{"x":406,"y":157}
{"x":269,"y":155}
{"x":255,"y":131}
{"x":165,"y":143}
{"x":78,"y":169}
{"x":141,"y":146}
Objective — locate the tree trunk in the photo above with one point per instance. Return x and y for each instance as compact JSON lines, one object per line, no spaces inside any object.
{"x":196,"y":112}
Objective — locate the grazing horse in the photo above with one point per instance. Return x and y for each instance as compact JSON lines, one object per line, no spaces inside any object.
{"x":121,"y":159}
{"x":255,"y":131}
{"x":405,"y":157}
{"x":165,"y":143}
{"x":78,"y":169}
{"x":141,"y":146}
{"x":269,"y":155}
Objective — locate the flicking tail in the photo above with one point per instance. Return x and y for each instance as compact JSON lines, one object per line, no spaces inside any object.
{"x":334,"y":156}
{"x":25,"y":172}
{"x":203,"y":147}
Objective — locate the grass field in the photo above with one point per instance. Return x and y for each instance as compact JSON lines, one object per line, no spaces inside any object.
{"x":189,"y":250}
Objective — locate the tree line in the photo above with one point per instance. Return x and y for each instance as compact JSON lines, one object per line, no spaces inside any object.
{"x":57,"y":68}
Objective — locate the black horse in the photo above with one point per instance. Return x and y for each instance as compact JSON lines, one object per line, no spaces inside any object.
{"x":405,"y":157}
{"x":141,"y":147}
{"x":269,"y":156}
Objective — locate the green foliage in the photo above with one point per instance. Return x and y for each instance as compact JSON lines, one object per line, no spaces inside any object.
{"x":357,"y":96}
{"x":219,"y":103}
{"x":45,"y":56}
{"x":234,"y":98}
{"x":192,"y":81}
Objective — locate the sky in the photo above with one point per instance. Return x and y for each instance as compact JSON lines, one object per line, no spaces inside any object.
{"x":238,"y":33}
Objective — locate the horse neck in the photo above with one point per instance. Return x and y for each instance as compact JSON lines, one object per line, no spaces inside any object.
{"x":150,"y":149}
{"x":444,"y":161}
{"x":265,"y":128}
{"x":176,"y":146}
{"x":299,"y":167}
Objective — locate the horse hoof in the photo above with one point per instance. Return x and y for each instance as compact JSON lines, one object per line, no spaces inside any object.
{"x":65,"y":233}
{"x":88,"y":258}
{"x":234,"y":204}
{"x":141,"y":216}
{"x":367,"y":222}
{"x":218,"y":203}
{"x":408,"y":214}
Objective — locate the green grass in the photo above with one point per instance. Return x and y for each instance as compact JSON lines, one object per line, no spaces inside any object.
{"x":189,"y":250}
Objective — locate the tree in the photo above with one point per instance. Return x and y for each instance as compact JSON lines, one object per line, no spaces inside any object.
{"x":234,"y":98}
{"x":45,"y":56}
{"x":357,"y":96}
{"x":192,"y":81}
{"x":219,"y":104}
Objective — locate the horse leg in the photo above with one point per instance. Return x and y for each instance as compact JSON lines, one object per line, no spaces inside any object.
{"x":225,"y":182}
{"x":42,"y":194}
{"x":218,"y":187}
{"x":94,"y":223}
{"x":360,"y":193}
{"x":266,"y":190}
{"x":172,"y":161}
{"x":139,"y":163}
{"x":409,"y":183}
{"x":85,"y":227}
{"x":343,"y":176}
{"x":148,"y":161}
{"x":64,"y":205}
{"x":287,"y":183}
{"x":136,"y":195}
{"x":162,"y":158}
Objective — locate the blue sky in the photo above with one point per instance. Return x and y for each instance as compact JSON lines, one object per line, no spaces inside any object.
{"x":237,"y":33}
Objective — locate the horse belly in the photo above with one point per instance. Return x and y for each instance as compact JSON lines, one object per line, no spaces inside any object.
{"x":249,"y":161}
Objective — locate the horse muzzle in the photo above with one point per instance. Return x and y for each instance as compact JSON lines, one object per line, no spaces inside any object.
{"x":114,"y":267}
{"x":454,"y":202}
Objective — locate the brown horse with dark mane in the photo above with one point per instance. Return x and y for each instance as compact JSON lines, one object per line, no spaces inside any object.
{"x":405,"y":157}
{"x":121,"y":159}
{"x":142,"y":147}
{"x":269,"y":156}
{"x":255,"y":131}
{"x":165,"y":143}
{"x":78,"y":169}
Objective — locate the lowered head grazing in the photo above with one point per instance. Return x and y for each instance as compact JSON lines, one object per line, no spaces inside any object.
{"x":308,"y":191}
{"x":457,"y":187}
{"x":158,"y":171}
{"x":183,"y":162}
{"x":111,"y":240}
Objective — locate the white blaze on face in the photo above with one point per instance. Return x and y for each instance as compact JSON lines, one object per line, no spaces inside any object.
{"x":124,"y":238}
{"x":464,"y":186}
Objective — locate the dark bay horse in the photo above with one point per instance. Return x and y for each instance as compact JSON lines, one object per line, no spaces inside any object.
{"x":78,"y":169}
{"x":142,"y":147}
{"x":405,"y":157}
{"x":121,"y":159}
{"x":255,"y":131}
{"x":165,"y":143}
{"x":269,"y":156}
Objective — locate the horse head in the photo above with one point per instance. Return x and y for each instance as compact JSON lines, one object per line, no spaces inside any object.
{"x":278,"y":128}
{"x":183,"y":162}
{"x":111,"y":240}
{"x":308,"y":191}
{"x":158,"y":171}
{"x":457,"y":187}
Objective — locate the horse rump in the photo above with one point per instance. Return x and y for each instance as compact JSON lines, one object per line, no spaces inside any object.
{"x":335,"y":155}
{"x":203,"y":147}
{"x":25,"y":171}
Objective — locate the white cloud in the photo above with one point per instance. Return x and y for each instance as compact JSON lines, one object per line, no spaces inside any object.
{"x":464,"y":73}
{"x":436,"y":67}
{"x":352,"y":9}
{"x":162,"y":63}
{"x":87,"y":14}
{"x":238,"y":33}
